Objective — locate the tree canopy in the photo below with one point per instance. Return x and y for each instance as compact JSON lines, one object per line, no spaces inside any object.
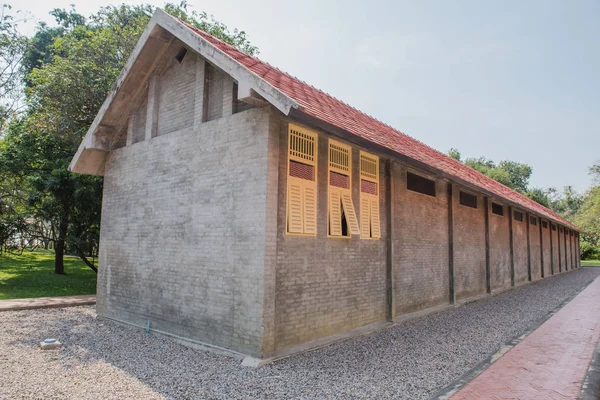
{"x":65,"y":73}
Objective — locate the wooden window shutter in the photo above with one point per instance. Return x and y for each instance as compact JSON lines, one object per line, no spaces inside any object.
{"x":369,"y":196}
{"x":341,"y":207}
{"x":335,"y":213}
{"x":350,"y":213}
{"x":301,"y":178}
{"x":375,"y":227}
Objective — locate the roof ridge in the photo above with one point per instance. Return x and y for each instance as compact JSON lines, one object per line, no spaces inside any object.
{"x":322,"y":109}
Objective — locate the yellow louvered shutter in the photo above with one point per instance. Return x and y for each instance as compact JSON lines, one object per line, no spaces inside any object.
{"x":335,"y":213}
{"x":365,"y":218}
{"x":350,"y":213}
{"x":369,"y":196}
{"x":295,"y":212}
{"x":302,"y":185}
{"x":375,"y":227}
{"x":310,"y":208}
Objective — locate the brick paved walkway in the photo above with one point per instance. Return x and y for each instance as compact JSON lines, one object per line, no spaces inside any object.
{"x":551,"y":362}
{"x":46,"y":302}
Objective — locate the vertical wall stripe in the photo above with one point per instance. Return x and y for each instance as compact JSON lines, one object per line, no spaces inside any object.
{"x":488,"y":275}
{"x":512,"y":246}
{"x":152,"y":108}
{"x":551,"y":248}
{"x":451,"y":245}
{"x":559,"y":252}
{"x":540,"y":223}
{"x":391,"y":307}
{"x":527,"y":222}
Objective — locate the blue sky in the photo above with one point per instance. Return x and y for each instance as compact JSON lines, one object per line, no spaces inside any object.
{"x":514,"y":80}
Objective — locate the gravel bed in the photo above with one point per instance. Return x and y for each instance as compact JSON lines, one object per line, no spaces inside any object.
{"x":412,"y":360}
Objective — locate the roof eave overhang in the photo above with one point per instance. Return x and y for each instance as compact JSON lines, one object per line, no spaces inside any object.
{"x":309,"y":120}
{"x":91,"y":154}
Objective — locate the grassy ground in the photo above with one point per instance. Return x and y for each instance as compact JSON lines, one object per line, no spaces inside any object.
{"x":32,"y":275}
{"x":590,"y":263}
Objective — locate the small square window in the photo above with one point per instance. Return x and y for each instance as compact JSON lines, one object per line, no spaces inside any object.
{"x":544,"y":225}
{"x":554,"y":227}
{"x":497,"y":209}
{"x":417,"y":183}
{"x":533,"y":221}
{"x":518,"y":216}
{"x":467,"y":199}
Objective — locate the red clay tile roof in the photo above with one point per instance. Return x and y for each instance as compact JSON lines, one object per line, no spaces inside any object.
{"x":322,"y":106}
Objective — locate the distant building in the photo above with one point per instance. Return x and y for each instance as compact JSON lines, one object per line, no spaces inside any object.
{"x":248,"y":210}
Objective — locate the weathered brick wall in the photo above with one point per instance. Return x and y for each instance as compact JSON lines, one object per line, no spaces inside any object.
{"x":520,"y":250}
{"x":176,"y":96}
{"x":555,"y":258}
{"x":326,"y":285}
{"x":183,"y":232}
{"x":568,"y":260}
{"x":561,"y":243}
{"x":536,"y":259}
{"x":499,"y":250}
{"x":420,"y":236}
{"x":547,"y":254}
{"x":469,"y":248}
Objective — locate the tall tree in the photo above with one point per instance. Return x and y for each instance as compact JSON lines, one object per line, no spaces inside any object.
{"x":69,"y":72}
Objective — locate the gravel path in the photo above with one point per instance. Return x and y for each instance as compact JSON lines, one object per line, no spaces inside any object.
{"x":412,"y":360}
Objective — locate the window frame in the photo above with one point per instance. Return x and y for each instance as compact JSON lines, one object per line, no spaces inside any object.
{"x":462,"y":193}
{"x":501,"y":209}
{"x":520,"y":213}
{"x":410,"y":172}
{"x":341,"y":171}
{"x":369,"y":197}
{"x":315,"y":164}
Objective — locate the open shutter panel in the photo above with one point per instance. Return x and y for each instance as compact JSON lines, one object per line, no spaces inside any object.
{"x":335,"y":213}
{"x":365,"y":217}
{"x":310,"y":207}
{"x":295,"y":217}
{"x":350,"y":213}
{"x":375,"y":227}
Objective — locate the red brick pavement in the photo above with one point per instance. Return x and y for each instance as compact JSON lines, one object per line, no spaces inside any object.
{"x":46,"y":302}
{"x":551,"y":362}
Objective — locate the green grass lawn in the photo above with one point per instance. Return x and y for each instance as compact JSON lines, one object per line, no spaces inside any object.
{"x":32,"y":275}
{"x":590,"y":263}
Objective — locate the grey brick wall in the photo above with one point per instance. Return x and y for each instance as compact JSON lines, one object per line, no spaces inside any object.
{"x":183,"y":232}
{"x":469,"y":248}
{"x":421,"y":278}
{"x":326,"y":285}
{"x":536,"y":262}
{"x":520,"y":250}
{"x":547,"y":254}
{"x":176,"y":96}
{"x":499,"y":250}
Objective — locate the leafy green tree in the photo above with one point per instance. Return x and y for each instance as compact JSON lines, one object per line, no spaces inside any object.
{"x":69,"y":70}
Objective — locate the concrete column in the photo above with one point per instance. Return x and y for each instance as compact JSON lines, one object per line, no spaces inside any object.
{"x":199,"y":93}
{"x":540,"y":223}
{"x":488,"y":274}
{"x":527,"y":222}
{"x":227,"y":97}
{"x":551,"y":248}
{"x":389,"y":276}
{"x":130,"y":123}
{"x":152,"y":110}
{"x":451,"y":244}
{"x":512,"y":246}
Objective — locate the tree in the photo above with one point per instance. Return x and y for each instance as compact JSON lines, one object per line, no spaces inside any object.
{"x":12,"y":48}
{"x":69,"y":71}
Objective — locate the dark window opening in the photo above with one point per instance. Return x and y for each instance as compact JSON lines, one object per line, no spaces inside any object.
{"x":533,"y":220}
{"x":518,"y":216}
{"x":560,"y":229}
{"x":344,"y":225}
{"x":419,"y":184}
{"x":497,"y":209}
{"x":544,"y":225}
{"x":554,"y":227}
{"x":181,"y":54}
{"x":467,"y":199}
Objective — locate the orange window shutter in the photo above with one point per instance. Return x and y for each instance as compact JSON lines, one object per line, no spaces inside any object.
{"x":310,"y":207}
{"x":350,"y":213}
{"x":365,"y":217}
{"x":375,"y":224}
{"x":295,"y":212}
{"x":335,"y":213}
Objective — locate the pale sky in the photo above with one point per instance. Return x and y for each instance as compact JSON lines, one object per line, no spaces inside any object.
{"x":514,"y":80}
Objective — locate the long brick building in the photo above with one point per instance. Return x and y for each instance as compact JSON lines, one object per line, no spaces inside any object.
{"x":247,"y":210}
